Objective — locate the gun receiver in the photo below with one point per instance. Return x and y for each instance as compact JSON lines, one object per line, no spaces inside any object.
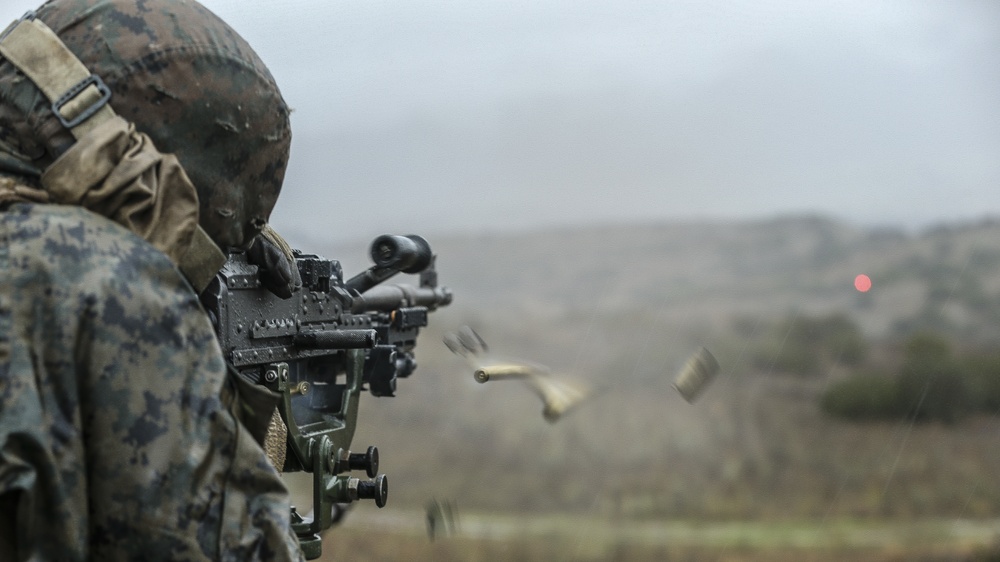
{"x":319,"y":349}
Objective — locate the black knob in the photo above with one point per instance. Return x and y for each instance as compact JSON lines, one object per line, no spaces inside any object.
{"x":409,"y":254}
{"x":367,"y":460}
{"x":377,"y":490}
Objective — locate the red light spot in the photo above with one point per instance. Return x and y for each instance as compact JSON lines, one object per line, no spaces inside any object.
{"x":862,"y":283}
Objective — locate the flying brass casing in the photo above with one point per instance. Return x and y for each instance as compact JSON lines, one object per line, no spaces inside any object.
{"x":698,"y":371}
{"x":488,"y":372}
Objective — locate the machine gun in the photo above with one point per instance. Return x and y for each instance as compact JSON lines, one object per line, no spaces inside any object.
{"x":319,"y":350}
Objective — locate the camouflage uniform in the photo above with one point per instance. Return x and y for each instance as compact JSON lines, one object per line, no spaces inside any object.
{"x":118,"y":430}
{"x":113,"y":425}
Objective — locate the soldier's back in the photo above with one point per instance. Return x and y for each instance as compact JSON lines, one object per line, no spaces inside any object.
{"x":113,"y":437}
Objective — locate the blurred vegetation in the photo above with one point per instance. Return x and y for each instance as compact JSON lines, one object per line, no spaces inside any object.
{"x":862,"y":397}
{"x":928,"y":383}
{"x":982,"y":372}
{"x":805,"y":345}
{"x":931,"y":381}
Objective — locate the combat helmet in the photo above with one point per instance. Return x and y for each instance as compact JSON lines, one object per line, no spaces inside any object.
{"x":184,"y":78}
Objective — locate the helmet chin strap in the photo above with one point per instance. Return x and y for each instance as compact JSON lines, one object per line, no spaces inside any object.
{"x":110,"y":158}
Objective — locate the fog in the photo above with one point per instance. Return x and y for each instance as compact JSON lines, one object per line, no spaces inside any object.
{"x":443,"y":117}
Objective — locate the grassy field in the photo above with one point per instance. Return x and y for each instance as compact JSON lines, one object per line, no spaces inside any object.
{"x":401,"y":534}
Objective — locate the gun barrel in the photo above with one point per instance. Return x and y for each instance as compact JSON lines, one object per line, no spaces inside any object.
{"x":391,"y":297}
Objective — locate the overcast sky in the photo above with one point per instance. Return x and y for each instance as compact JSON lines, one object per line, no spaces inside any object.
{"x":443,"y":116}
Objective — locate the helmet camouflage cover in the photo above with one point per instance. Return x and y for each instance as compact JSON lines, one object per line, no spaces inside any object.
{"x":186,"y":79}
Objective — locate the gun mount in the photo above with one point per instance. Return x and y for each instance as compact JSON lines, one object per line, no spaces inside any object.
{"x":319,"y":350}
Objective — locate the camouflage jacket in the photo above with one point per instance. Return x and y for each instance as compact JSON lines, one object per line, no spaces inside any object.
{"x":115,"y":439}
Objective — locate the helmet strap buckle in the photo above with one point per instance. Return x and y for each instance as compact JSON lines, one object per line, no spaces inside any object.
{"x":79,"y":94}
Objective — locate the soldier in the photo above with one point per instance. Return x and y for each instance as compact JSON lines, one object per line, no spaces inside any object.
{"x":137,"y":141}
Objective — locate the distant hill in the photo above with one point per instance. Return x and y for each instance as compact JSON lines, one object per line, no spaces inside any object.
{"x":706,"y":272}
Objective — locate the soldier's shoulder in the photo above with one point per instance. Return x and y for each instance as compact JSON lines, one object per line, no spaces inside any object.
{"x":78,"y":244}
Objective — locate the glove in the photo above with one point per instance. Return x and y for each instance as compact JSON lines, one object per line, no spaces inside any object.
{"x":273,"y":256}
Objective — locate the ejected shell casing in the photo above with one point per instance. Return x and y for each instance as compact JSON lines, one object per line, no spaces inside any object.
{"x":488,"y":372}
{"x":698,"y":371}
